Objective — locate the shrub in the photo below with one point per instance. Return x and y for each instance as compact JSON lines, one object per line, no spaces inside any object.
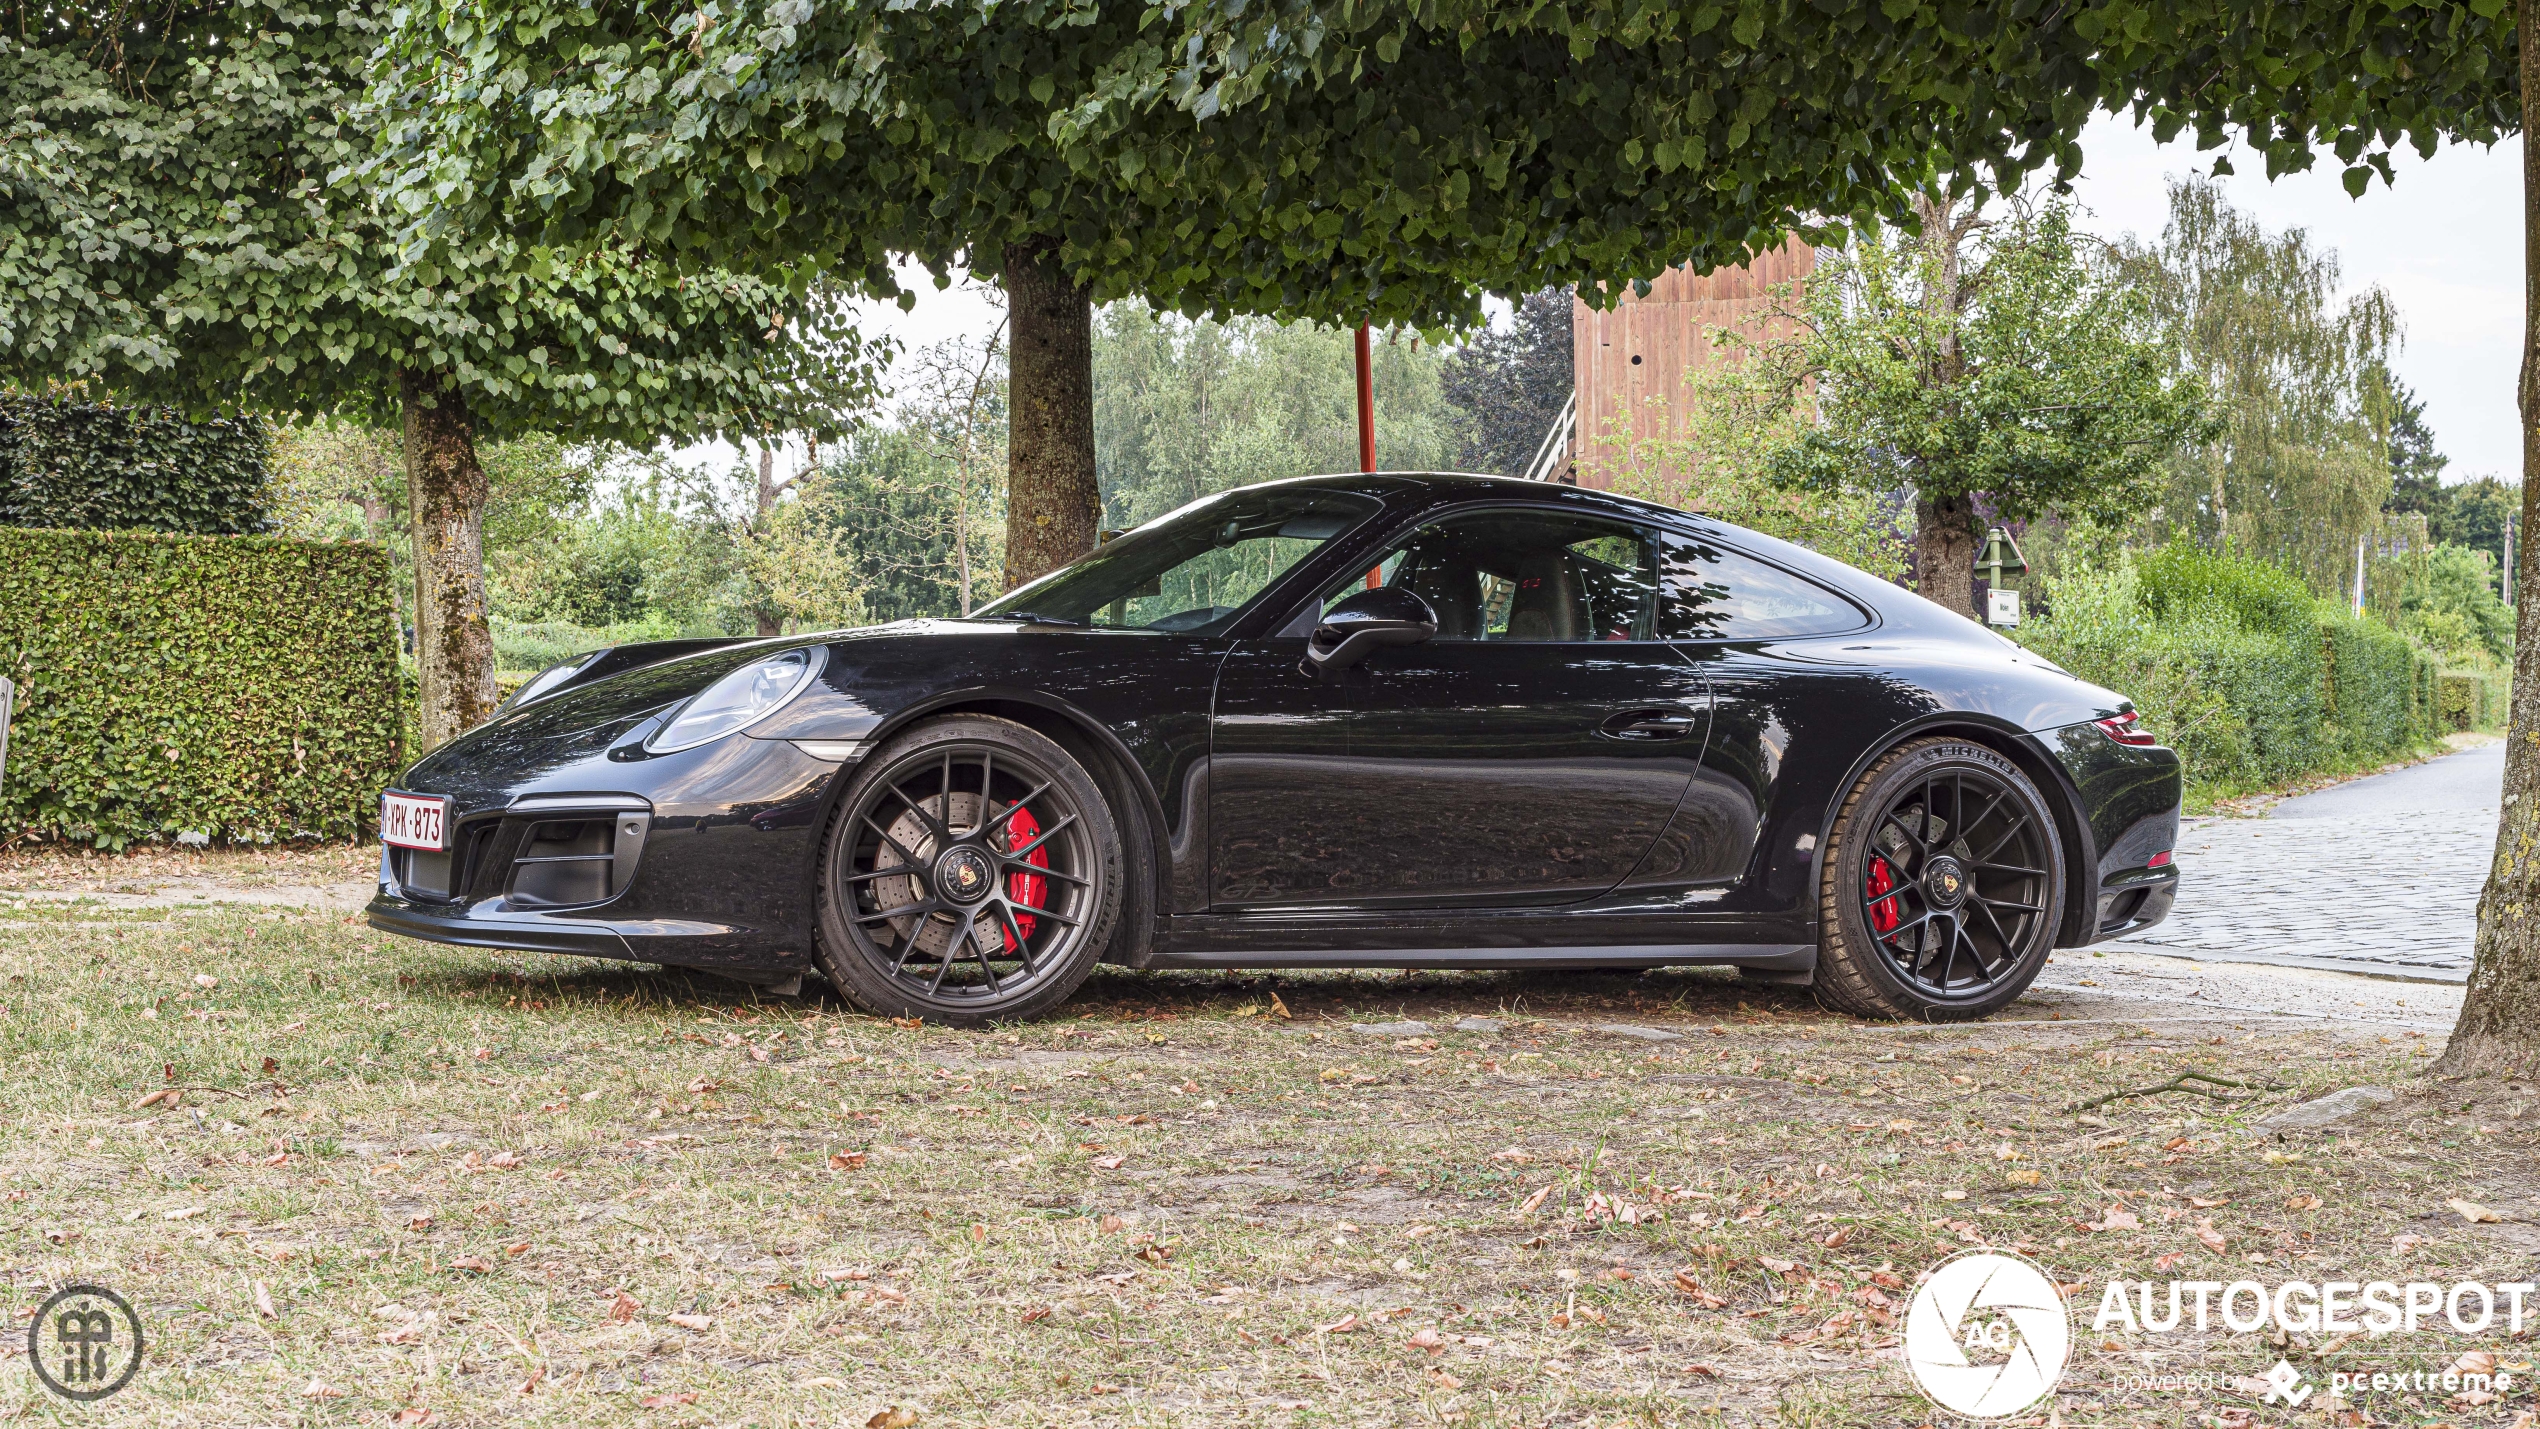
{"x":2235,"y":666}
{"x":234,"y":688}
{"x":92,"y":466}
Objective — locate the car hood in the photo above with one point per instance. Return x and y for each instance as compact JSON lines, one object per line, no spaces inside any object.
{"x":582,"y":722}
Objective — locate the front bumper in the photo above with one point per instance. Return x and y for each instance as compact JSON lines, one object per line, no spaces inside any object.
{"x":700,"y":859}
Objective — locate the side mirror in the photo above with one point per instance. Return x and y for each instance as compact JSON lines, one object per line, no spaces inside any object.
{"x":1364,"y":623}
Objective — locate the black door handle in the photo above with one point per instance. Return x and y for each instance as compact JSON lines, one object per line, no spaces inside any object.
{"x":1649,"y":725}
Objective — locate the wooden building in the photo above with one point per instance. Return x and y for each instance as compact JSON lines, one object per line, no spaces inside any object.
{"x":1641,"y":349}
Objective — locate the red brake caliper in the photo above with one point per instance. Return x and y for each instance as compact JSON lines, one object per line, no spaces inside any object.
{"x":1030,"y":890}
{"x":1883,"y":916}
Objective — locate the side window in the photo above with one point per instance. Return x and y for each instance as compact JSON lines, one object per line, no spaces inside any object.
{"x":1712,"y":593}
{"x":1515,"y":575}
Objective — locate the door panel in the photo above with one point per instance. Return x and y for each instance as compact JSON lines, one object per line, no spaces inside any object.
{"x":1447,"y":775}
{"x":1482,"y":774}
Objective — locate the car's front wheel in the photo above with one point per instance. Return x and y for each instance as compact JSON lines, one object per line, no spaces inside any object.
{"x":970,"y":874}
{"x":1943,"y":886}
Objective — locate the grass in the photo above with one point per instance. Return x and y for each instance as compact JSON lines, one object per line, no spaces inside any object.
{"x":481,"y":1187}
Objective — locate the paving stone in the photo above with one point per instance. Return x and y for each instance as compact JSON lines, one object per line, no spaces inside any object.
{"x":1645,"y":1034}
{"x":2387,"y":886}
{"x":1477,"y":1024}
{"x":1393,"y":1029}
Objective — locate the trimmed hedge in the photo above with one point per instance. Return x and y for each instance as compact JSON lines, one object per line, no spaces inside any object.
{"x":93,"y":466}
{"x":2234,"y":665}
{"x":230,"y":688}
{"x":2473,"y":698}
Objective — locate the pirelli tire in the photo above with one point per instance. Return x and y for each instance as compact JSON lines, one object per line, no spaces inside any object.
{"x":971,"y":874}
{"x":1941,"y":889}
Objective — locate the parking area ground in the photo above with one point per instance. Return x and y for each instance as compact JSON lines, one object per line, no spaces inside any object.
{"x":347,"y":1178}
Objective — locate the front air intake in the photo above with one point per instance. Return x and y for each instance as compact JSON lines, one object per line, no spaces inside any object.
{"x":566,"y":863}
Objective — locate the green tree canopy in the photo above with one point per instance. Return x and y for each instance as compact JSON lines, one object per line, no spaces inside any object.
{"x":2006,"y":367}
{"x":177,"y":224}
{"x":2300,"y":466}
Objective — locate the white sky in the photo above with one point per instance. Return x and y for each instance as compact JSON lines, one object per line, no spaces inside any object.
{"x":2446,"y":242}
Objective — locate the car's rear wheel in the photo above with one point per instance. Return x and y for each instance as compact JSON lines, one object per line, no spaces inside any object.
{"x":1943,"y":886}
{"x":970,"y":875}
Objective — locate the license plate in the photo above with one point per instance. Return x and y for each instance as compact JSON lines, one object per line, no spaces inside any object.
{"x":414,"y":820}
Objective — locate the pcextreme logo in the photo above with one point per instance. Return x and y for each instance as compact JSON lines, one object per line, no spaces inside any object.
{"x":1987,"y":1335}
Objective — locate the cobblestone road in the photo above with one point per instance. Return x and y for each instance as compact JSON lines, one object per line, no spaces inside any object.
{"x":2376,"y":876}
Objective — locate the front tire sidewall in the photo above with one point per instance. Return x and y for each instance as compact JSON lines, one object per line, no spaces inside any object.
{"x":874,"y":989}
{"x":1851,"y":975}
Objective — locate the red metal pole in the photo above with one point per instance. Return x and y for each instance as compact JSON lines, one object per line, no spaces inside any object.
{"x":1366,"y":404}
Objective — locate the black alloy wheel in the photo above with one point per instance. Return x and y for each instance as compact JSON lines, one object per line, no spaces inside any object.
{"x":969,"y":876}
{"x":1943,"y":886}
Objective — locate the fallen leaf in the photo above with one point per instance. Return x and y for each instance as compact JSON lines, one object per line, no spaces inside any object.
{"x":1703,"y":1370}
{"x":264,"y":1302}
{"x":691,"y":1322}
{"x":516,"y":1250}
{"x":2024,"y":1177}
{"x":2208,"y":1203}
{"x":170,"y":1095}
{"x":1835,"y":1239}
{"x":1108,"y":1163}
{"x":184,"y":1213}
{"x":2475,"y":1362}
{"x":846,"y":1160}
{"x":411,"y":1416}
{"x":892,"y":1418}
{"x":476,"y":1263}
{"x":1110,"y":1224}
{"x":2118,"y":1218}
{"x":1515,"y":1154}
{"x":320,"y":1389}
{"x":2212,"y":1238}
{"x":61,"y":1235}
{"x":206,"y":981}
{"x":530,"y":1385}
{"x":1428,"y":1339}
{"x":1342,"y":1326}
{"x":420,"y":1223}
{"x":1036,"y":1314}
{"x":505,"y":1160}
{"x":624,"y":1307}
{"x":1443,"y":1380}
{"x":1278,"y":1008}
{"x":666,"y":1401}
{"x":1534,"y":1202}
{"x":2473,"y":1212}
{"x":2302,"y":1203}
{"x":1686,"y":1283}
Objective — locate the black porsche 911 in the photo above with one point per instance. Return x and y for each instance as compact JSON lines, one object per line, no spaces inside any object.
{"x":1353,"y":721}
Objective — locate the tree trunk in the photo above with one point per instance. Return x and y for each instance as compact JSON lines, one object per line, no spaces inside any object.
{"x":1053,"y":508}
{"x":1945,"y":553}
{"x":769,"y":625}
{"x":454,"y":644}
{"x":2499,"y":1029}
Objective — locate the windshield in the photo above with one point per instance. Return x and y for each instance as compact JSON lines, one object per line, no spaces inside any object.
{"x":1194,"y":570}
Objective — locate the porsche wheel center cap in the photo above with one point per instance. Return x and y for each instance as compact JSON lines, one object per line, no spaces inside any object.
{"x":964,"y":875}
{"x":1946,"y":881}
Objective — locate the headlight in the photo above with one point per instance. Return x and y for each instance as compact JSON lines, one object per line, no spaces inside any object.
{"x":738,"y":700}
{"x":537,"y":686}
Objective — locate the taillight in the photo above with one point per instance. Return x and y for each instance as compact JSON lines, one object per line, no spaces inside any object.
{"x":2158,"y":860}
{"x":2126,"y":729}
